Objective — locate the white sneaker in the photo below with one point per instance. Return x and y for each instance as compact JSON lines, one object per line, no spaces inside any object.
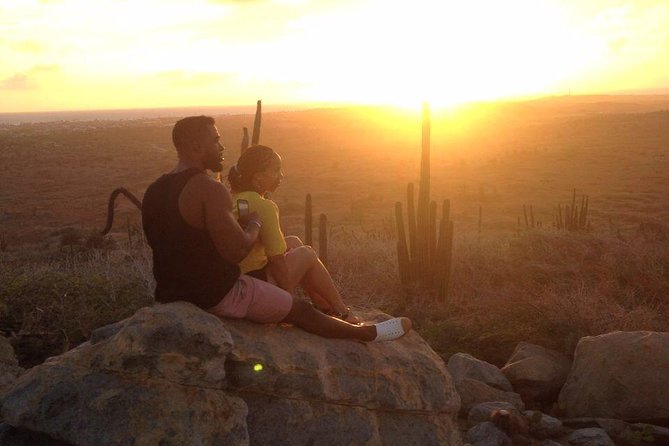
{"x":392,"y":329}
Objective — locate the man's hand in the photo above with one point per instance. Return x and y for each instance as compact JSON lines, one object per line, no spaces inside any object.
{"x":245,"y":219}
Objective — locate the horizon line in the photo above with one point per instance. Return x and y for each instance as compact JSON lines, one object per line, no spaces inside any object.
{"x":303,"y":106}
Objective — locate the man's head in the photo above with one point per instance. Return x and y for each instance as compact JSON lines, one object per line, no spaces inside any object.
{"x":197,"y":140}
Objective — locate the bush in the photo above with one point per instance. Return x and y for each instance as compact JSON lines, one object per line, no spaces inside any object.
{"x":66,"y":298}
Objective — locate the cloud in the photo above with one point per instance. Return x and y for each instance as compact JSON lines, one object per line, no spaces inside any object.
{"x":18,"y":82}
{"x":45,"y":68}
{"x":29,"y":46}
{"x":28,"y":80}
{"x":181,"y":78}
{"x":237,"y":2}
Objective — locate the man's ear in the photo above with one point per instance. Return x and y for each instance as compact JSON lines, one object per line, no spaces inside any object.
{"x":194,"y":146}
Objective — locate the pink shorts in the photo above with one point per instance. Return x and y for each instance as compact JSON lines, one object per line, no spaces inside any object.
{"x":255,"y":300}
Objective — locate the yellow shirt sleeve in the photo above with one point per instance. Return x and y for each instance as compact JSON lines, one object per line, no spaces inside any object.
{"x":271,"y":235}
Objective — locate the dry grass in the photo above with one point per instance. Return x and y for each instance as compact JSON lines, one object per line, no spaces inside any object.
{"x":540,"y":286}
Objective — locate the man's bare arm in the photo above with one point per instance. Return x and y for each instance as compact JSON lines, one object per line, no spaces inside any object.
{"x":232,"y":242}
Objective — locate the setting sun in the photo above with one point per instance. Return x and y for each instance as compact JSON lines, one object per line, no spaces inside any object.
{"x":74,"y":54}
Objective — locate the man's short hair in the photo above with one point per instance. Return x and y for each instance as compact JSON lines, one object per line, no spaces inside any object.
{"x":189,"y":129}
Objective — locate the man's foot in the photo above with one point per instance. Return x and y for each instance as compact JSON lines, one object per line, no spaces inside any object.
{"x":392,"y":329}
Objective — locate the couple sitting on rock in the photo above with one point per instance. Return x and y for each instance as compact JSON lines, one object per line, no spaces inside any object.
{"x":199,"y":244}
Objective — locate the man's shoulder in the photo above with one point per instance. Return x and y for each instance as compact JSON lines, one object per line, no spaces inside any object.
{"x":211,"y":189}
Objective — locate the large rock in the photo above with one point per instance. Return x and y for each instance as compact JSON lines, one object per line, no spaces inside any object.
{"x":536,"y":373}
{"x":157,"y":378}
{"x":173,"y":374}
{"x":9,"y":365}
{"x":462,"y":365}
{"x":622,"y":375}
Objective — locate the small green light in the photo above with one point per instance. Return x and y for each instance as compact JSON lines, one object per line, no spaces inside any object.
{"x":257,"y":367}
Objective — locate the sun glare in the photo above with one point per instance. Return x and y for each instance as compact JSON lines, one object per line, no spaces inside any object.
{"x":109,"y":53}
{"x":445,"y":52}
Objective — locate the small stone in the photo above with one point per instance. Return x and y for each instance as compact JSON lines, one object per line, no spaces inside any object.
{"x":487,"y":434}
{"x":542,"y":425}
{"x":590,"y":436}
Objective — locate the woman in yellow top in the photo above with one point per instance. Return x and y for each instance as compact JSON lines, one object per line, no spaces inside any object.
{"x":284,"y":261}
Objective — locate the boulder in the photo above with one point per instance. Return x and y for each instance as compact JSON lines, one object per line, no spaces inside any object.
{"x":622,"y":432}
{"x":536,"y":373}
{"x":621,"y":375}
{"x":614,"y":428}
{"x":473,"y":392}
{"x":9,"y":365}
{"x":174,"y":374}
{"x":462,"y":365}
{"x":157,"y":379}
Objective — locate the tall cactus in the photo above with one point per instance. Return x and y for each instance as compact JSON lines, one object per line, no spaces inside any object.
{"x":245,"y":140}
{"x":423,"y":211}
{"x":427,"y":257}
{"x":256,"y":124}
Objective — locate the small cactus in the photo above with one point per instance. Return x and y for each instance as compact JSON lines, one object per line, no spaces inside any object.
{"x":308,"y":221}
{"x":323,"y":238}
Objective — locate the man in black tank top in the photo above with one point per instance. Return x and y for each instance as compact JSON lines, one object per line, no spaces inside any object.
{"x":197,"y":243}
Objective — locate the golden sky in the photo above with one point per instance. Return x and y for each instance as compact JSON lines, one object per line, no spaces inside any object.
{"x":99,"y":54}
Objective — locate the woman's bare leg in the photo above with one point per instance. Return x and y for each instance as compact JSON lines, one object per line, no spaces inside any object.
{"x":294,"y":242}
{"x":306,"y":269}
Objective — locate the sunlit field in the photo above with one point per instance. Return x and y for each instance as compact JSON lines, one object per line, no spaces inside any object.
{"x":510,"y":282}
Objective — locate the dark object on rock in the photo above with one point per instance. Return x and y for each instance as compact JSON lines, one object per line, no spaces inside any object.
{"x":513,"y":424}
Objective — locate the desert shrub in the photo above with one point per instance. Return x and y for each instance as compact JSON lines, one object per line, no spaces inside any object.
{"x":65,"y":298}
